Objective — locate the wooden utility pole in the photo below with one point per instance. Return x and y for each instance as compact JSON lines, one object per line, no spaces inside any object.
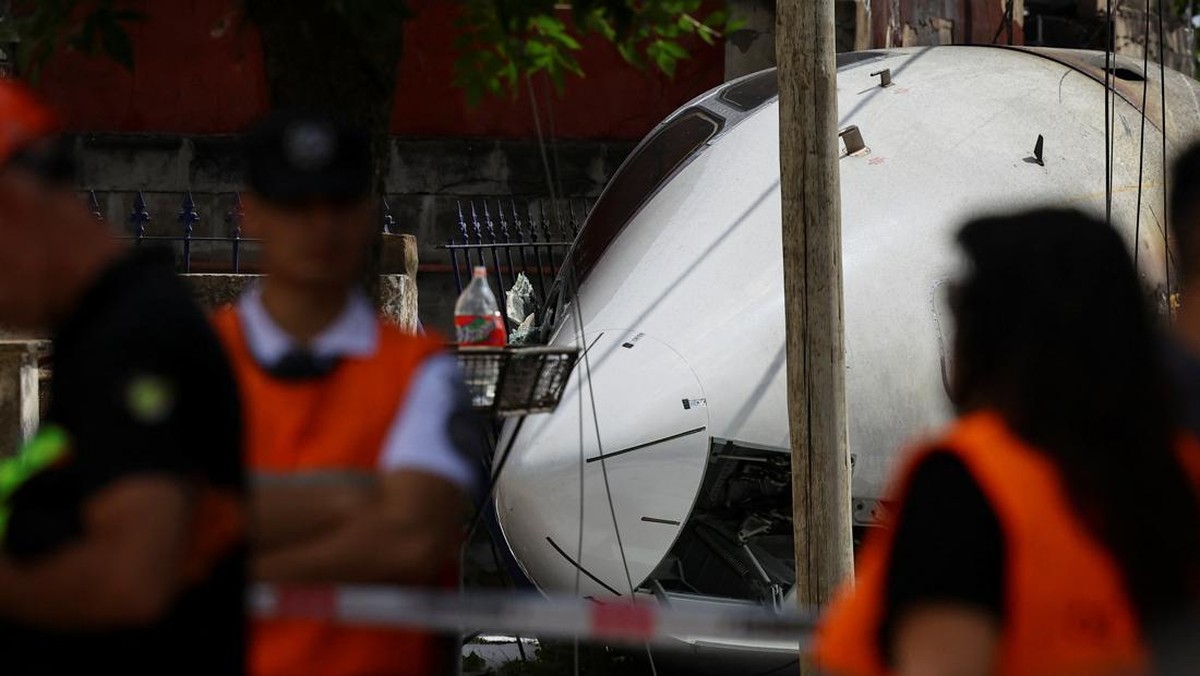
{"x":812,"y":287}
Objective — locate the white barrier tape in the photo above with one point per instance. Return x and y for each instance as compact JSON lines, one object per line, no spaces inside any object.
{"x":530,"y":615}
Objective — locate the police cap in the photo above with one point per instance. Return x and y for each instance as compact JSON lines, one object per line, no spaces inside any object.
{"x":296,"y":156}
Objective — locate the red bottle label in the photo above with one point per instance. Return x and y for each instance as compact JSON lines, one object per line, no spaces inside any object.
{"x":480,"y":330}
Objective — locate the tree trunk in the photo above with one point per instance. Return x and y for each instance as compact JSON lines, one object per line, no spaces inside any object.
{"x":342,"y":61}
{"x":812,"y":272}
{"x":321,"y":58}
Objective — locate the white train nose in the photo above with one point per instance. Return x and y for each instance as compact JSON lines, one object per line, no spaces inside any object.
{"x":642,"y":419}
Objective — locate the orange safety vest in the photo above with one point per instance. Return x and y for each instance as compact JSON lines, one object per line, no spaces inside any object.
{"x":1068,"y":612}
{"x":338,"y":422}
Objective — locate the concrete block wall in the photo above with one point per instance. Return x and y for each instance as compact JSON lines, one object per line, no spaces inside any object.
{"x":398,"y":295}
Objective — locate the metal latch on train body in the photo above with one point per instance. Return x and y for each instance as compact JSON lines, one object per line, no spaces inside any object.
{"x":853,"y":144}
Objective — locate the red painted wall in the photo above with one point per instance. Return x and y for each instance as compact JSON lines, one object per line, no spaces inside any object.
{"x":199,"y":70}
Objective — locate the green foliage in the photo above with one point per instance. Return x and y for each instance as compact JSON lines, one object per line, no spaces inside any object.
{"x":503,"y":41}
{"x":90,"y":26}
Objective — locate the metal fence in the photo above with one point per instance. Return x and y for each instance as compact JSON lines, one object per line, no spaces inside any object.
{"x":185,"y":239}
{"x":187,"y":217}
{"x":511,"y":238}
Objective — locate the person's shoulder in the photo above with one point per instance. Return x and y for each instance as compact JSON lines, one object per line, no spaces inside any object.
{"x":938,"y":468}
{"x":944,"y":499}
{"x":151,"y":319}
{"x":151,"y":297}
{"x":935,"y":478}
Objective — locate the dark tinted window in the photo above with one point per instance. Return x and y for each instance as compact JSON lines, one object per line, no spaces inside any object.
{"x":850,"y":58}
{"x":638,"y":180}
{"x":762,"y":87}
{"x":753,"y":91}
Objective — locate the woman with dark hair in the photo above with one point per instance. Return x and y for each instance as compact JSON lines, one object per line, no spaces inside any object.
{"x":1055,"y":526}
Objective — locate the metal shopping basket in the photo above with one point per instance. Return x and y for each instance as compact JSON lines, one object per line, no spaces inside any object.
{"x":516,"y":381}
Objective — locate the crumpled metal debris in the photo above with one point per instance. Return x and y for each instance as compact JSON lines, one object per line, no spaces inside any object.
{"x":523,"y":333}
{"x":519,"y":301}
{"x":520,"y":305}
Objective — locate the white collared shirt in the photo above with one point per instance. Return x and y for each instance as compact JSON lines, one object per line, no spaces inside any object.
{"x":420,"y":435}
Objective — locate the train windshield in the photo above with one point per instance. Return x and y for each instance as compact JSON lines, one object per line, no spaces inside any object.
{"x":639,"y":178}
{"x":752,"y":92}
{"x":666,"y":152}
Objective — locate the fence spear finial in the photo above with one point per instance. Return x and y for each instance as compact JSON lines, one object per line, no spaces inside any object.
{"x":491,"y":225}
{"x":94,"y":206}
{"x":188,"y":218}
{"x":138,"y":218}
{"x":233,"y":219}
{"x":389,"y":221}
{"x":475,"y":224}
{"x":462,"y":222}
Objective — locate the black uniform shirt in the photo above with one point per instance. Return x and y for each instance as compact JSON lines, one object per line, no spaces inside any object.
{"x":140,"y":386}
{"x":948,"y":546}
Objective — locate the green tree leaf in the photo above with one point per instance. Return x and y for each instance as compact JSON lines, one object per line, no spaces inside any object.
{"x":46,"y":26}
{"x":500,"y":42}
{"x":644,"y":32}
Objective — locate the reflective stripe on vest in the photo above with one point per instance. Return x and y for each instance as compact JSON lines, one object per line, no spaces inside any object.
{"x":337,"y":422}
{"x":1067,"y":609}
{"x":50,"y":446}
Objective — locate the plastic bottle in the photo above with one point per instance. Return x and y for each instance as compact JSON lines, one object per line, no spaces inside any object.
{"x":478,"y":322}
{"x":477,"y":319}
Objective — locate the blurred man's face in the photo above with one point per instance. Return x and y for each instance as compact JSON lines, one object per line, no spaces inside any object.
{"x":28,"y":210}
{"x":320,"y":244}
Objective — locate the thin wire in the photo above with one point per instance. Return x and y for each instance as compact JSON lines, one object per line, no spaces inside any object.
{"x":572,"y":293}
{"x":1166,"y":217}
{"x":612,"y":510}
{"x":494,"y":479}
{"x":579,"y":331}
{"x":1108,"y":173}
{"x":1006,"y":21}
{"x":569,"y":272}
{"x":1011,"y":3}
{"x":776,"y":670}
{"x":537,"y":124}
{"x":582,"y":462}
{"x":554,"y":152}
{"x":1137,"y":218}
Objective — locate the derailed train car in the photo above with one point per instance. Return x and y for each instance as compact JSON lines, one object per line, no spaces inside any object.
{"x":674,"y":428}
